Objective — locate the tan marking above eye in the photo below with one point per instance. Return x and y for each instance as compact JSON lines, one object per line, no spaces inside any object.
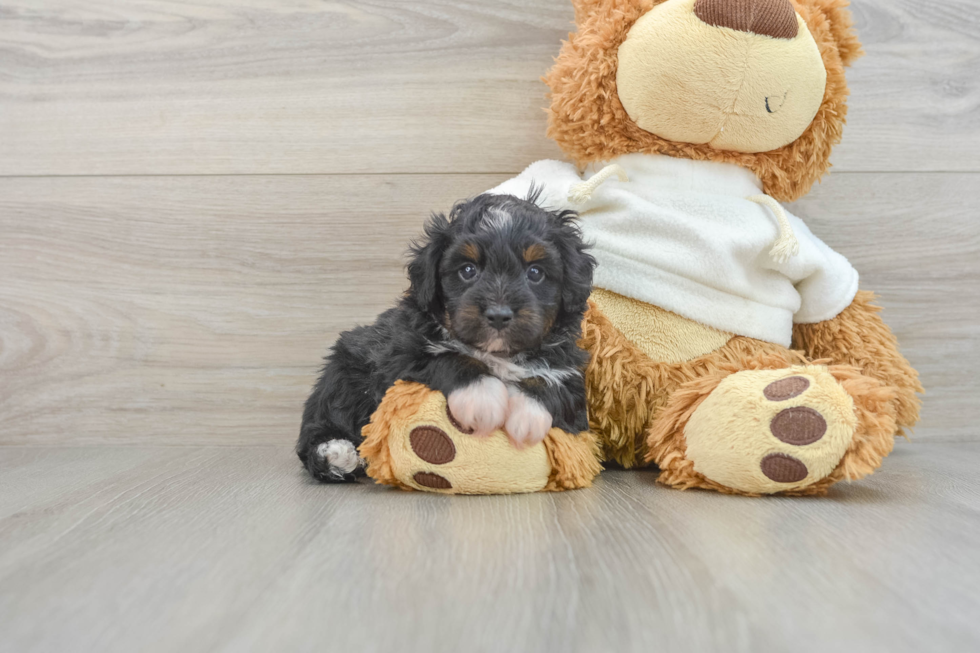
{"x":471,"y":251}
{"x":533,"y":253}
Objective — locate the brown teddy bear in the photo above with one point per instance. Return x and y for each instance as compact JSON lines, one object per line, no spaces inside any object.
{"x":729,"y":345}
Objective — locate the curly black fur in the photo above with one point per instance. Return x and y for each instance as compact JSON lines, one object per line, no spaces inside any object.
{"x":439,"y":333}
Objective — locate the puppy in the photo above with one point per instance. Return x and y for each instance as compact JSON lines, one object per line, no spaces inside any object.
{"x":491,"y":320}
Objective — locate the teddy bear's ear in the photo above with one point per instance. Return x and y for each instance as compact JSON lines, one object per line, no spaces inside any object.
{"x":841,"y":28}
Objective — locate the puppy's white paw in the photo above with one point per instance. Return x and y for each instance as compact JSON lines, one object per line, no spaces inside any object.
{"x":481,"y":406}
{"x":527,"y":420}
{"x":341,"y":455}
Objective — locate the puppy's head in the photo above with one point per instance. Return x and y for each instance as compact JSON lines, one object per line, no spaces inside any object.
{"x":501,"y":273}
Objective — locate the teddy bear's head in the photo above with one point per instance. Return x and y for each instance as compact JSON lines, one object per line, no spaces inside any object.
{"x":758,"y":83}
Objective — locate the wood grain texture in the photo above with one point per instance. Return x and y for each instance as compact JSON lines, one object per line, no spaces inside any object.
{"x":191,"y":308}
{"x":196,"y":309}
{"x":143,"y":548}
{"x":295,"y":86}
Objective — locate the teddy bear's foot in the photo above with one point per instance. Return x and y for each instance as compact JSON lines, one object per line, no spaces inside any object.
{"x":788,"y":430}
{"x":414,"y":442}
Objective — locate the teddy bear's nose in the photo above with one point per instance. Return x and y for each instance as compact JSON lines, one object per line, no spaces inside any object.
{"x":775,"y":18}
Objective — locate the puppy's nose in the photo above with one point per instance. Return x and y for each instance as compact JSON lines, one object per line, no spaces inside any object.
{"x":775,"y":18}
{"x":499,"y":316}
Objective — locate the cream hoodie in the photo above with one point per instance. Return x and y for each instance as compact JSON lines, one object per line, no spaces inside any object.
{"x":683,"y":236}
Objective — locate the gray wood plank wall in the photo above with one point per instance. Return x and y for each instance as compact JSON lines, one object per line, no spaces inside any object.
{"x":196,"y":198}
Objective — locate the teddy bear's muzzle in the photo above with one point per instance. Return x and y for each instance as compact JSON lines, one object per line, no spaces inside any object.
{"x":679,"y":54}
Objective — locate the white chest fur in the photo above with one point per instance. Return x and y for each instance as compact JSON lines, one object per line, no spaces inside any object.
{"x":508,"y":370}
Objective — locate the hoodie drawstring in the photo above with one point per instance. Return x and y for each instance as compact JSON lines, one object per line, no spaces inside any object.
{"x":786,"y":246}
{"x":582,"y":193}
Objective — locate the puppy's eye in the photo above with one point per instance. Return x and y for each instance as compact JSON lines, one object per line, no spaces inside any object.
{"x":468,"y":272}
{"x":535,"y":274}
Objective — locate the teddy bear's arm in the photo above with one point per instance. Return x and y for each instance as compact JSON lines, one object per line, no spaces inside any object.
{"x":859,"y":337}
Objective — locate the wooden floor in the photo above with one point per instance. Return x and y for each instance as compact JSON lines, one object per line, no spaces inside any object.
{"x":193,"y":548}
{"x":197,"y":197}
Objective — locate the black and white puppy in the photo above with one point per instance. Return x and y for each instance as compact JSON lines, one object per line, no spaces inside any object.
{"x":491,"y":320}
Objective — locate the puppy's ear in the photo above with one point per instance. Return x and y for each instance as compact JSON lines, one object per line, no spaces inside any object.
{"x":577,"y":266}
{"x":423,"y":268}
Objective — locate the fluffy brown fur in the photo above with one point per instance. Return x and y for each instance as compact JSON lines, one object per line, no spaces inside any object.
{"x":627,"y":390}
{"x":859,"y":337}
{"x":574,"y":460}
{"x":401,"y":399}
{"x":589,"y":123}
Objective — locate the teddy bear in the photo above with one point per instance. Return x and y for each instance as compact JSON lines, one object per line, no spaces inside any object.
{"x":729,"y":346}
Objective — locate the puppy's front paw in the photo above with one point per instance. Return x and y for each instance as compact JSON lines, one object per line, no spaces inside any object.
{"x":339,"y":457}
{"x":527,"y":420}
{"x":480,"y":407}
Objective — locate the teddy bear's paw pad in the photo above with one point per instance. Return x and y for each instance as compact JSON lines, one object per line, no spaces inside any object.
{"x":432,"y":445}
{"x":799,"y":426}
{"x":783,"y":469}
{"x":432,"y":481}
{"x":766,"y":431}
{"x":787,"y":388}
{"x":430,"y":452}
